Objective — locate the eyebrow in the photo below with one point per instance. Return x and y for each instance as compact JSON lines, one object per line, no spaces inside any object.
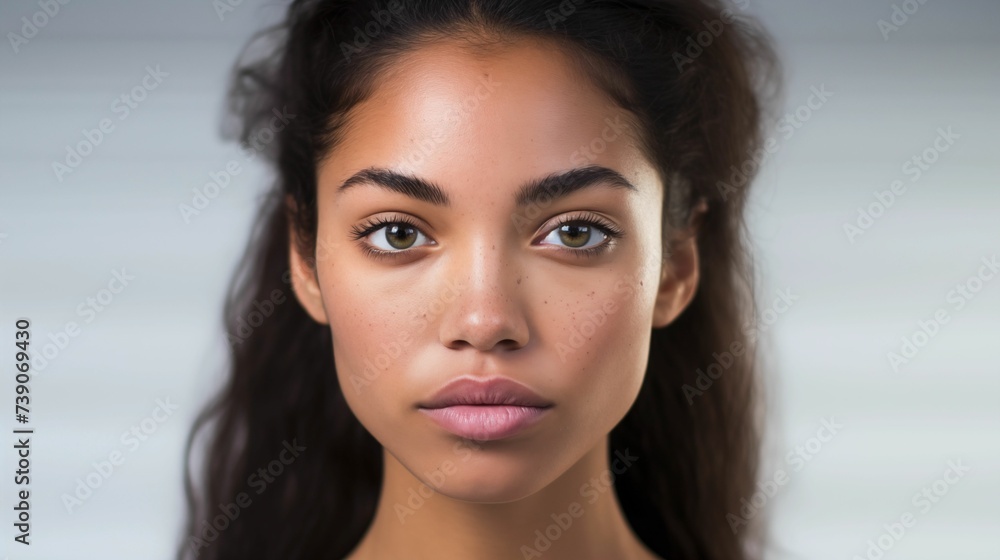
{"x":552,"y":186}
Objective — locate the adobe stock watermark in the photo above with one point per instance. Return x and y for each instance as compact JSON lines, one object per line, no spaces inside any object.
{"x":259,"y":481}
{"x":899,"y":16}
{"x":696,"y":44}
{"x":132,"y":439}
{"x":94,"y":137}
{"x":418,"y":322}
{"x":31,"y":26}
{"x":796,"y":460}
{"x":417,"y":498}
{"x":221,"y":178}
{"x":625,"y":288}
{"x":262,"y":310}
{"x":787,"y":126}
{"x":924,"y":500}
{"x":88,"y":309}
{"x":958,"y":297}
{"x":914,"y":168}
{"x":566,"y":9}
{"x":453,"y":117}
{"x":752,"y":329}
{"x":225,"y":7}
{"x":615,"y":128}
{"x":363,"y":37}
{"x":562,"y":521}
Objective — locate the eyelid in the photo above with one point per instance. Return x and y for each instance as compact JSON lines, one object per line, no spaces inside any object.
{"x":371,"y":225}
{"x":604,"y":224}
{"x":361,"y":231}
{"x":612,"y":232}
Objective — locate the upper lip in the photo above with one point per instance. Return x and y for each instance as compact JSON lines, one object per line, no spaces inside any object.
{"x":494,"y":391}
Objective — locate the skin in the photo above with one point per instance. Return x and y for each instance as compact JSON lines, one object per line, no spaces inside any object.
{"x":481,"y":295}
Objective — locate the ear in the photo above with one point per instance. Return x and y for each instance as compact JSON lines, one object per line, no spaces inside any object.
{"x":305,"y":283}
{"x":679,"y":278}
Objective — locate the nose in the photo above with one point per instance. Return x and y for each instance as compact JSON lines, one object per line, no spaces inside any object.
{"x":488,"y":313}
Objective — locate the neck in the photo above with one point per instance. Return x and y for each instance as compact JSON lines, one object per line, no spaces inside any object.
{"x":577,"y":516}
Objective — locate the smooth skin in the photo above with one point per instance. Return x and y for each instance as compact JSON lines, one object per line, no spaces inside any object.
{"x":483,"y":288}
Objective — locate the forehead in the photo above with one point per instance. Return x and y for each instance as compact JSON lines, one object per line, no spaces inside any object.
{"x":494,"y":120}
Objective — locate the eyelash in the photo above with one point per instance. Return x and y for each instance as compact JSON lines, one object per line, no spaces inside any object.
{"x":610,"y":230}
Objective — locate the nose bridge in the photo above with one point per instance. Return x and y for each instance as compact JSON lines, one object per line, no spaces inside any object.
{"x":488,"y":311}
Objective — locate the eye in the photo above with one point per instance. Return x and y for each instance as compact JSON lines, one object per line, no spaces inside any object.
{"x":584,"y":235}
{"x":396,"y":237}
{"x":390,"y":235}
{"x":576,"y":235}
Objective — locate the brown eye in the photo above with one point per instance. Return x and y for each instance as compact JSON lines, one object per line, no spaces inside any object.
{"x":577,"y":235}
{"x":394,"y":236}
{"x":400,"y":236}
{"x":574,"y":235}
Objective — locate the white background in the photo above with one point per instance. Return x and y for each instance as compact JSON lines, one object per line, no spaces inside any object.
{"x":161,"y":337}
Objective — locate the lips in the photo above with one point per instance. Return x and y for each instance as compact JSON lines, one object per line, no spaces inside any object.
{"x":495,"y":391}
{"x":485,"y":410}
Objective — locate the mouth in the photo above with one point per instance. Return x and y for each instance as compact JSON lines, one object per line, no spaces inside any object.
{"x":485,"y":422}
{"x":474,"y":392}
{"x":488,"y":410}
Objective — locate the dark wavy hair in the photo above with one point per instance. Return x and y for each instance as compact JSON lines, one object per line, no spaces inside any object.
{"x":696,"y":76}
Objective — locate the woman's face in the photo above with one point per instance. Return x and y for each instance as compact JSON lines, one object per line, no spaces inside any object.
{"x":470,"y":279}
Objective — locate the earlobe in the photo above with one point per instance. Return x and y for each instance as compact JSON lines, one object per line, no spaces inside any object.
{"x":678,"y":283}
{"x":305,"y":283}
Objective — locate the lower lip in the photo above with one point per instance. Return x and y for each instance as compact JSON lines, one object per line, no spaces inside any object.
{"x":485,"y":422}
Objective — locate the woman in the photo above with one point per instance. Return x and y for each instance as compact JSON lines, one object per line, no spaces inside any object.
{"x":501,"y":249}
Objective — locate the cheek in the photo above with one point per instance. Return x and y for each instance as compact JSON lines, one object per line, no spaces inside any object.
{"x":600,"y":344}
{"x":374,"y":337}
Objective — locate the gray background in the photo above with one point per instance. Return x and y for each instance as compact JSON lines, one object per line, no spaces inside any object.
{"x":827,"y":354}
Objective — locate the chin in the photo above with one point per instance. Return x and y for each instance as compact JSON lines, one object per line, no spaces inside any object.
{"x":490,"y":487}
{"x":490,"y":475}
